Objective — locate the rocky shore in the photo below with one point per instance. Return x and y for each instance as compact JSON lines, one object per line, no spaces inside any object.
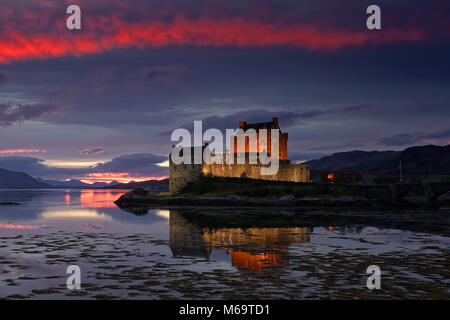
{"x":141,"y":197}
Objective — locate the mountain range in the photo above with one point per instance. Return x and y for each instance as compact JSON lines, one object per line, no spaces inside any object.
{"x":76,"y":184}
{"x":429,"y":159}
{"x":19,"y":180}
{"x":155,"y":185}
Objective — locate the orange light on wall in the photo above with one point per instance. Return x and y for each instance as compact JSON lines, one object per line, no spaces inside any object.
{"x":330,"y":176}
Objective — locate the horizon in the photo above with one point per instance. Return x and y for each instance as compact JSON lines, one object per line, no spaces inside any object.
{"x":126,"y":181}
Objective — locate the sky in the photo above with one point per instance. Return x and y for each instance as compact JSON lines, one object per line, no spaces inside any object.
{"x":100,"y":103}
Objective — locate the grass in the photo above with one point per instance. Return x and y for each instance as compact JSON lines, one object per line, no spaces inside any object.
{"x":209,"y":186}
{"x":433,"y":178}
{"x":414,"y":197}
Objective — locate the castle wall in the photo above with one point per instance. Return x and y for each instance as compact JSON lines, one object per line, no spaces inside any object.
{"x":286,"y":172}
{"x":181,"y":174}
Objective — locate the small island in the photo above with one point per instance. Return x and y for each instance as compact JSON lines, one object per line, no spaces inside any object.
{"x":213,"y":191}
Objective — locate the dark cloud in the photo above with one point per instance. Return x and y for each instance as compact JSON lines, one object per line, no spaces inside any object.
{"x":35,"y":167}
{"x":144,"y":164}
{"x":12,"y":113}
{"x":401,"y":139}
{"x":297,"y":157}
{"x":54,"y":93}
{"x":414,"y":138}
{"x":93,"y":151}
{"x":132,"y":75}
{"x":4,"y":79}
{"x":162,"y":74}
{"x":438,"y":135}
{"x":286,"y":118}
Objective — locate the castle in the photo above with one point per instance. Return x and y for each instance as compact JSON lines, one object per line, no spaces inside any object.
{"x":181,"y":174}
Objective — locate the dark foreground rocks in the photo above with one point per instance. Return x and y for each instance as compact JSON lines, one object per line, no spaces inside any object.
{"x":142,"y":197}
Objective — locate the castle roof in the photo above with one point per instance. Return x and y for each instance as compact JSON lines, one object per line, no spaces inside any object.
{"x":260,"y":125}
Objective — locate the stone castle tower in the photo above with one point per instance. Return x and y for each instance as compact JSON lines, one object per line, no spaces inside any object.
{"x":247,"y":148}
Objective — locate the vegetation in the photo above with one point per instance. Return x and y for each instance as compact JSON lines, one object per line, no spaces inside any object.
{"x":343,"y":176}
{"x":385,"y":180}
{"x":433,"y":178}
{"x":413,"y":178}
{"x":219,"y":186}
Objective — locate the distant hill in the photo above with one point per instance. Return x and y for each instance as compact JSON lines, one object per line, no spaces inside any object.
{"x":76,"y":184}
{"x":155,"y":185}
{"x":428,"y":159}
{"x":19,"y":180}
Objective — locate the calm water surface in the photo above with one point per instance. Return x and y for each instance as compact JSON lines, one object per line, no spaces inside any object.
{"x":208,"y":253}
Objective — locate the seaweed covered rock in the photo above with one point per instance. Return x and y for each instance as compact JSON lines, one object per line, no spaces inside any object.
{"x":135,"y":196}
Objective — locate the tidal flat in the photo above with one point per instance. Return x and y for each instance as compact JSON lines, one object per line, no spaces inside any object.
{"x":213,"y":253}
{"x":140,"y":266}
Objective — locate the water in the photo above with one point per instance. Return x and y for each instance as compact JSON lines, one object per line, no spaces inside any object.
{"x":213,"y":253}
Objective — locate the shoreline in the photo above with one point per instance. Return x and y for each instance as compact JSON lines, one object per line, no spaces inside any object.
{"x":141,"y":198}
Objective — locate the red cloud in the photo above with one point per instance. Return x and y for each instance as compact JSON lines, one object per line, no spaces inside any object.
{"x":17,"y":226}
{"x":13,"y":151}
{"x":202,"y":32}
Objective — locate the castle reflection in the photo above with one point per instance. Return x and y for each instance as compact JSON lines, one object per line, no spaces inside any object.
{"x":264,"y":249}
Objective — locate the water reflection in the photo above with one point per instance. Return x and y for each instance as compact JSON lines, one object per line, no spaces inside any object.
{"x":259,"y":249}
{"x":74,"y":210}
{"x":95,"y":199}
{"x":84,"y":213}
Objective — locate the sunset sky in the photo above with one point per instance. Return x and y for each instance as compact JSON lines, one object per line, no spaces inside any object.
{"x":99,"y":104}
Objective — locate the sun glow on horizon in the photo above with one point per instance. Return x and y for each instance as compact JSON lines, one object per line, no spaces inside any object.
{"x":121,"y":177}
{"x":72,"y":163}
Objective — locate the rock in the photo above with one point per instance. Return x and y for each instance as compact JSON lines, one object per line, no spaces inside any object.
{"x":346,"y":200}
{"x":287,"y":197}
{"x":135,"y":196}
{"x":236,"y":198}
{"x":311,"y":199}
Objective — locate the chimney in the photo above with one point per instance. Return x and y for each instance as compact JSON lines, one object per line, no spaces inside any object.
{"x":275,"y":123}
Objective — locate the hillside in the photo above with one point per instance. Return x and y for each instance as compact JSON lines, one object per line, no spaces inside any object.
{"x":154,"y":185}
{"x":76,"y":184}
{"x":19,"y":180}
{"x":428,"y":159}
